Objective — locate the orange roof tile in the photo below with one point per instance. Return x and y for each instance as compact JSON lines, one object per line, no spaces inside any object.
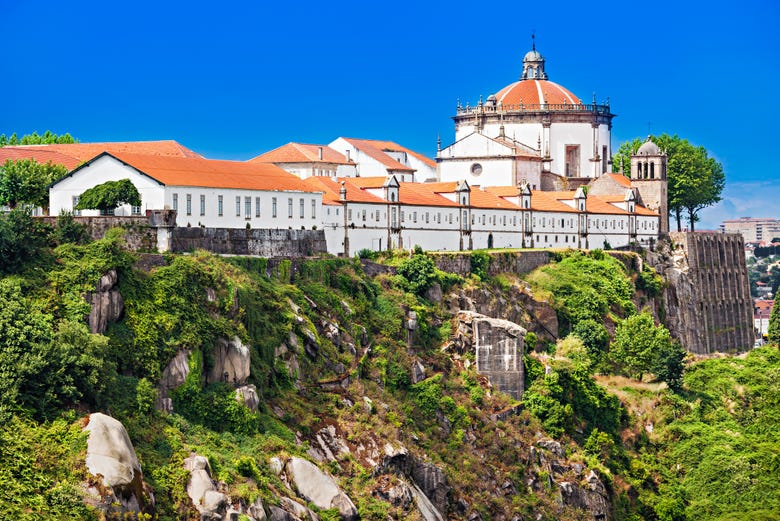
{"x":638,"y":209}
{"x":302,"y":153}
{"x":39,"y":155}
{"x":367,"y":182}
{"x":536,"y":92}
{"x":86,"y":151}
{"x":331,"y":189}
{"x":503,"y":191}
{"x":376,"y":149}
{"x":419,"y":194}
{"x":549,"y":202}
{"x":620,"y":179}
{"x":184,"y":171}
{"x":485,"y":199}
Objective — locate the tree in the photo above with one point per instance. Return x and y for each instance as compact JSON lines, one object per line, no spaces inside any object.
{"x":695,"y":180}
{"x":21,"y":238}
{"x":642,"y":347}
{"x":773,"y":333}
{"x":109,"y":195}
{"x":48,"y":138}
{"x":27,"y":181}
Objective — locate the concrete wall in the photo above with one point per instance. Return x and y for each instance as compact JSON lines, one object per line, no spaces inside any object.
{"x":262,"y":243}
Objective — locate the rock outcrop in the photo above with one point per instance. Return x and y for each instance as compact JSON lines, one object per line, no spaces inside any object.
{"x":499,"y":348}
{"x":203,"y":490}
{"x":231,"y":362}
{"x":313,"y":485}
{"x":174,"y":374}
{"x":107,"y":303}
{"x":111,"y":459}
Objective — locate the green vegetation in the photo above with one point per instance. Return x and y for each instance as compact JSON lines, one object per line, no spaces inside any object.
{"x":773,"y":333}
{"x":26,"y":182}
{"x":331,"y":346}
{"x":109,"y":195}
{"x":47,"y":138}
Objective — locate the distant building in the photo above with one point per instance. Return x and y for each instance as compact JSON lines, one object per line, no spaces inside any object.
{"x":375,"y":158}
{"x":753,"y":229}
{"x":305,"y":160}
{"x":762,"y":309}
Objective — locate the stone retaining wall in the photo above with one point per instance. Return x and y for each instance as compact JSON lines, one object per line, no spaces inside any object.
{"x":259,"y":242}
{"x":500,"y":262}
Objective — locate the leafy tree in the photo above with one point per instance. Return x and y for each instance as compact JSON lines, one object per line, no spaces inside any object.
{"x":696,"y":180}
{"x":593,"y":335}
{"x":21,"y":238}
{"x":420,"y":273}
{"x":27,"y":181}
{"x":773,"y":333}
{"x":109,"y":195}
{"x":669,"y":365}
{"x":638,"y":342}
{"x":47,"y":138}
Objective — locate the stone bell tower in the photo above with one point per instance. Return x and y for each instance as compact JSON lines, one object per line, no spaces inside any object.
{"x":648,"y":175}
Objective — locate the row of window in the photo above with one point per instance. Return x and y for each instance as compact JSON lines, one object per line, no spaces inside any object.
{"x":247,"y":206}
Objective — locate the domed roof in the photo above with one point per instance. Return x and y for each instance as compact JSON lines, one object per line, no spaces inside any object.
{"x":649,"y":148}
{"x":536,"y":92}
{"x":533,"y":56}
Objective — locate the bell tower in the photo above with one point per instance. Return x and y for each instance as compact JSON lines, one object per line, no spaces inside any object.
{"x":648,"y":175}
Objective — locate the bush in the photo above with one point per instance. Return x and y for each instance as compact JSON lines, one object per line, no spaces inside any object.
{"x":480,"y":261}
{"x":419,"y":272}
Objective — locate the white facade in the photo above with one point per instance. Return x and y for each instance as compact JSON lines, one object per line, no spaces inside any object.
{"x":195,"y":205}
{"x":385,"y":158}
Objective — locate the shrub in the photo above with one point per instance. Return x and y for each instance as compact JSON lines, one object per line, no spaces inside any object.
{"x":480,"y":261}
{"x":419,"y":272}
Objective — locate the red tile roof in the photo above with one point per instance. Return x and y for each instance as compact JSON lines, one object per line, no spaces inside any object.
{"x":620,"y":179}
{"x":638,"y":209}
{"x":376,"y":149}
{"x":39,"y":155}
{"x":302,"y":153}
{"x":331,"y":189}
{"x":368,"y":182}
{"x":72,"y":155}
{"x":486,"y":199}
{"x":184,"y":171}
{"x":420,"y":195}
{"x":528,"y":92}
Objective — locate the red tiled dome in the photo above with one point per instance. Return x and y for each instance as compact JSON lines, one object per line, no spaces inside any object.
{"x":536,"y":92}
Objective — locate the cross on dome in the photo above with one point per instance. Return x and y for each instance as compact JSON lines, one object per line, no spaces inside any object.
{"x":533,"y":64}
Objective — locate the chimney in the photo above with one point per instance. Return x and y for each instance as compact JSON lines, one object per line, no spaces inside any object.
{"x":319,"y":153}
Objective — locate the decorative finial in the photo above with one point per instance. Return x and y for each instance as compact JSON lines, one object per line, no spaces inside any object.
{"x":533,"y":40}
{"x":438,"y":142}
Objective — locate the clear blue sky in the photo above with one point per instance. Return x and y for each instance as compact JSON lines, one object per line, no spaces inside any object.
{"x":235,"y":79}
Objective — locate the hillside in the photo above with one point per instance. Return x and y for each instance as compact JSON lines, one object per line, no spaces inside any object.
{"x":311,"y":389}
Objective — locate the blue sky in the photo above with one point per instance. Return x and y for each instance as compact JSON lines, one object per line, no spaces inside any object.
{"x":234,"y":79}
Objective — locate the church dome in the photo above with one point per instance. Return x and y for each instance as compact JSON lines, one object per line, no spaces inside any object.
{"x":648,"y":148}
{"x":536,"y":92}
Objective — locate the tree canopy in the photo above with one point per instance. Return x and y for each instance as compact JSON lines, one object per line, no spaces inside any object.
{"x":773,"y":333}
{"x":696,"y":180}
{"x":25,"y":181}
{"x":47,"y":138}
{"x":109,"y":195}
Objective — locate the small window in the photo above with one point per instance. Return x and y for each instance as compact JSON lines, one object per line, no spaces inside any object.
{"x":219,"y":205}
{"x":273,"y":207}
{"x":476,"y":169}
{"x":301,"y":206}
{"x":289,"y":208}
{"x":203,"y":204}
{"x":75,"y":200}
{"x":189,"y":204}
{"x":313,"y":208}
{"x":247,"y":207}
{"x":238,"y":206}
{"x":175,"y":202}
{"x":257,"y":207}
{"x":135,"y":210}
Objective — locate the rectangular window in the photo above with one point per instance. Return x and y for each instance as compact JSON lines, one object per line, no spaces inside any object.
{"x":175,"y":202}
{"x":219,"y":205}
{"x":313,"y":208}
{"x":257,"y":207}
{"x":75,"y":200}
{"x":238,"y":206}
{"x":289,"y":208}
{"x":403,"y":216}
{"x":203,"y":205}
{"x":301,"y":205}
{"x":189,"y":204}
{"x":572,"y":160}
{"x":377,"y":216}
{"x":414,"y":216}
{"x":273,"y":207}
{"x":364,"y":216}
{"x":247,"y":207}
{"x":427,"y":217}
{"x":349,"y":214}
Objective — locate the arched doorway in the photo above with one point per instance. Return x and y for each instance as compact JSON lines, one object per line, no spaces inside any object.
{"x":490,"y":240}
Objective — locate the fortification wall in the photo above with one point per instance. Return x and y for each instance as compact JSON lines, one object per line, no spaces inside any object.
{"x":138,"y":234}
{"x":708,"y":304}
{"x":500,"y":262}
{"x":259,"y":242}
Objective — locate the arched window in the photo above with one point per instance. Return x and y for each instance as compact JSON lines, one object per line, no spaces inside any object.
{"x":645,"y":169}
{"x":652,"y":170}
{"x":392,"y":197}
